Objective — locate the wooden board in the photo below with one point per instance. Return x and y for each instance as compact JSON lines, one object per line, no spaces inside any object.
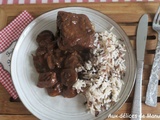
{"x":126,"y":15}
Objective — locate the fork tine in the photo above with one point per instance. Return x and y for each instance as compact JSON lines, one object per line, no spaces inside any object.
{"x":156,"y":16}
{"x":158,"y":19}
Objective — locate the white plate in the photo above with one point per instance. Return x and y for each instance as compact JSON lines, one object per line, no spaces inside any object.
{"x":25,"y":76}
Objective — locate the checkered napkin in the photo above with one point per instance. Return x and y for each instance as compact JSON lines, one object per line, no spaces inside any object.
{"x":8,"y":35}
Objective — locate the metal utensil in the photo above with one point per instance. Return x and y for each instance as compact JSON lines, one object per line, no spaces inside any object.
{"x":140,"y":45}
{"x":152,"y":89}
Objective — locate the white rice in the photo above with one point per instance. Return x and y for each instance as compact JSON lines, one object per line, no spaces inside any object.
{"x":102,"y":75}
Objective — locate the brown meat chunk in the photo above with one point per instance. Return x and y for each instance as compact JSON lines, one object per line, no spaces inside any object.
{"x":47,"y":79}
{"x":40,"y":64}
{"x":44,"y":38}
{"x":50,"y":62}
{"x":73,"y":60}
{"x":41,"y":51}
{"x":74,"y":30}
{"x":68,"y":92}
{"x":55,"y":90}
{"x":68,"y":77}
{"x":55,"y":59}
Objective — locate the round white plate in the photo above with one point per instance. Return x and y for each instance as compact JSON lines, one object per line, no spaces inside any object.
{"x":25,"y":77}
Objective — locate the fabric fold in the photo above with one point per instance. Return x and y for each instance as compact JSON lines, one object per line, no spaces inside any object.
{"x":8,"y":35}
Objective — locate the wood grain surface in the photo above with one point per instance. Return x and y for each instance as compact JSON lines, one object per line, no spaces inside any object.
{"x":127,"y":15}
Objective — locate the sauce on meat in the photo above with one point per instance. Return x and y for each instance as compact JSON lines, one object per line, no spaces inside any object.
{"x":58,"y":55}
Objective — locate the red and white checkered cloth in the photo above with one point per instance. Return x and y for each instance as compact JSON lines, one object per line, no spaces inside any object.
{"x":67,"y":1}
{"x":7,"y":36}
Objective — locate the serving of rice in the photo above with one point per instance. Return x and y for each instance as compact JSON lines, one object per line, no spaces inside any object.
{"x":103,"y":74}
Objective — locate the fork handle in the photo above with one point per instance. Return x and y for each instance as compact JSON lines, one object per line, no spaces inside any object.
{"x":151,"y":95}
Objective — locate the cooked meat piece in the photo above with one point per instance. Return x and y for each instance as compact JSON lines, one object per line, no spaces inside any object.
{"x":50,"y":61}
{"x":47,"y":79}
{"x":68,"y":92}
{"x":41,"y":51}
{"x":55,"y":59}
{"x":44,"y":38}
{"x":74,"y":31}
{"x":55,"y":90}
{"x":73,"y":60}
{"x":59,"y":56}
{"x":68,"y":77}
{"x":40,"y":64}
{"x":51,"y":47}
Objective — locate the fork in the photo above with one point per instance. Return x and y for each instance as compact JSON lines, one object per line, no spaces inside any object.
{"x":152,"y":89}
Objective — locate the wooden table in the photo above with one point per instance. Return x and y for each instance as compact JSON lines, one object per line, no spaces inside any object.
{"x":126,"y":15}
